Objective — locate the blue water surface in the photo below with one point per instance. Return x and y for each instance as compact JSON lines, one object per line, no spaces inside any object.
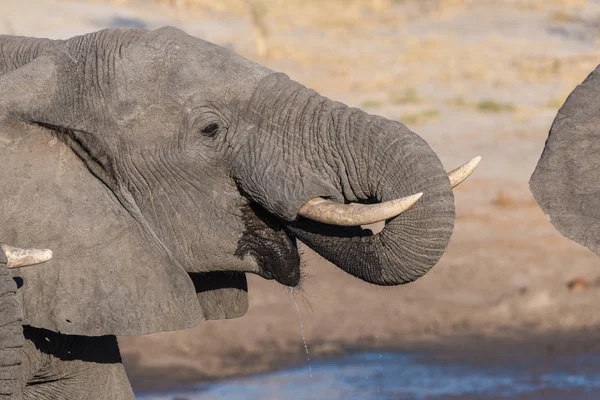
{"x":401,"y":375}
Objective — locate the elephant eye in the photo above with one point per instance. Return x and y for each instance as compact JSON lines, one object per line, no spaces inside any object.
{"x":210,"y":130}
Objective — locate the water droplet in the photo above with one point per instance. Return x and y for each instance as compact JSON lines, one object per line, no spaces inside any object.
{"x":302,"y":332}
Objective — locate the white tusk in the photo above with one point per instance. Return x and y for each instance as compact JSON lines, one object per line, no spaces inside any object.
{"x":17,"y":257}
{"x":461,"y":173}
{"x":330,"y":212}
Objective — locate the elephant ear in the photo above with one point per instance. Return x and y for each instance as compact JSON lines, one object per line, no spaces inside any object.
{"x":566,"y":181}
{"x":108,"y":275}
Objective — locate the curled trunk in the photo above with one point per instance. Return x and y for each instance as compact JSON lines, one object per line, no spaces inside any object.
{"x":324,"y":148}
{"x":386,"y":161}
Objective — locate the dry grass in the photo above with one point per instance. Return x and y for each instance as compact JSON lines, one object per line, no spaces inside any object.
{"x":409,"y":96}
{"x":562,"y":16}
{"x":505,"y":200}
{"x":556,"y":103}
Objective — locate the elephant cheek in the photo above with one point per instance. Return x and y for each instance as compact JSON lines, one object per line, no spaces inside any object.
{"x":221,"y":294}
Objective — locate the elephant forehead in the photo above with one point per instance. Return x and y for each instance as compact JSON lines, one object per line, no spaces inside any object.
{"x":191,"y":65}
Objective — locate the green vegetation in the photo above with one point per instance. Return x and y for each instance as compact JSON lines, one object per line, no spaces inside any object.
{"x":486,"y":105}
{"x":457,"y":102}
{"x":494,"y":106}
{"x":419,"y":118}
{"x":372,"y":104}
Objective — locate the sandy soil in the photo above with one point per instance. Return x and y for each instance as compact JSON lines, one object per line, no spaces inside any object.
{"x":473,"y":78}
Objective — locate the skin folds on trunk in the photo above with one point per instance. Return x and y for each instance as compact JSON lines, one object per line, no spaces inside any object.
{"x":324,"y":148}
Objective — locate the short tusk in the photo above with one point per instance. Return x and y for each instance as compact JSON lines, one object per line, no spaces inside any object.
{"x":17,"y":257}
{"x":330,"y":212}
{"x":461,"y":173}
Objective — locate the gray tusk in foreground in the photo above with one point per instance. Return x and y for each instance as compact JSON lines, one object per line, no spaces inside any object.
{"x":24,"y":257}
{"x":461,"y":173}
{"x":330,"y":212}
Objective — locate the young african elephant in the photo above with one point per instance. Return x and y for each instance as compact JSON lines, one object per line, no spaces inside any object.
{"x":566,"y":180}
{"x":161,"y":168}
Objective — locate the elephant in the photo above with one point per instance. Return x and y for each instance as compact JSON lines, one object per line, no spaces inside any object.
{"x":566,"y":180}
{"x":160,"y":169}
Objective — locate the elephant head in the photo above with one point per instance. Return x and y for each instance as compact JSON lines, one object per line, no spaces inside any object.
{"x":160,"y":168}
{"x":566,"y":180}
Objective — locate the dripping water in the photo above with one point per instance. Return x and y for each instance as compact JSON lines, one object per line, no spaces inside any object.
{"x":302,"y":331}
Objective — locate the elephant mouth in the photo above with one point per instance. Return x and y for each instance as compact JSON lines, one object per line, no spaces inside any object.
{"x":266,"y":241}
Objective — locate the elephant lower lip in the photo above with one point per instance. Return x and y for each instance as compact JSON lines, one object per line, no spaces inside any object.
{"x":275,"y":252}
{"x":273,"y":268}
{"x":292,"y":279}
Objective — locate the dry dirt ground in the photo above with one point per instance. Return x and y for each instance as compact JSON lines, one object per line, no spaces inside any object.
{"x":473,"y":78}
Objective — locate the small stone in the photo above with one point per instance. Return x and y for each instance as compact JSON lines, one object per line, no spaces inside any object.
{"x":578,"y":284}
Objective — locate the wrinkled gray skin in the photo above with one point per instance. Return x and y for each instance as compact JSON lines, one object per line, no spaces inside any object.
{"x":566,"y":181}
{"x":160,"y":168}
{"x":11,"y":335}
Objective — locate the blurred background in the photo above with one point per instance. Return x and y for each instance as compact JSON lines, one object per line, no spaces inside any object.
{"x":510,"y":311}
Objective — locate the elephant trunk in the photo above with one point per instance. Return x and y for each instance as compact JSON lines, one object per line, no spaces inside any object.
{"x":326,"y":149}
{"x":379,"y":161}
